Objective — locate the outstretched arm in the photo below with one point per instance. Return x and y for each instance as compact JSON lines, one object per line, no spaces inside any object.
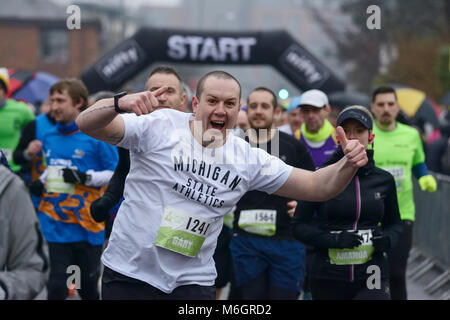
{"x":327,"y":182}
{"x":100,"y":121}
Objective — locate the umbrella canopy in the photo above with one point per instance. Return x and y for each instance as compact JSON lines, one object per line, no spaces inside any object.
{"x":17,"y":80}
{"x":31,"y":87}
{"x":445,"y":100}
{"x":344,"y":99}
{"x":417,"y":106}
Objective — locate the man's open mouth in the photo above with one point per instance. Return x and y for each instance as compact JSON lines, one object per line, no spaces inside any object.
{"x":218,"y":125}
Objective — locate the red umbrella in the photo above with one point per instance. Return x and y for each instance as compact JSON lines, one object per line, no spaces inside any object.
{"x":17,"y":80}
{"x":31,"y":87}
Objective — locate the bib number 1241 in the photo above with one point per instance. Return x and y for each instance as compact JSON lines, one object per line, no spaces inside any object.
{"x":196,"y":226}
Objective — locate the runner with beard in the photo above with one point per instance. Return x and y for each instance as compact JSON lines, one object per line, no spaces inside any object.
{"x":269,"y":262}
{"x":78,"y":167}
{"x":399,"y":150}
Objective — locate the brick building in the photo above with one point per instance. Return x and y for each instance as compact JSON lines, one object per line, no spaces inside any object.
{"x":34,"y":36}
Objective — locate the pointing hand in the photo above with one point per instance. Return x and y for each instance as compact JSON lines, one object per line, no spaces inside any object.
{"x":142,"y":102}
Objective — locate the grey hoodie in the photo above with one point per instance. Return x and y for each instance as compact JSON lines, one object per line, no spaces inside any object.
{"x":23,"y":262}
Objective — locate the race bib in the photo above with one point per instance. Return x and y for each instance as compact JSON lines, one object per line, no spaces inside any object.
{"x":55,"y":181}
{"x":259,"y":221}
{"x":357,"y":255}
{"x":399,"y":175}
{"x":182,"y":232}
{"x":228,"y":219}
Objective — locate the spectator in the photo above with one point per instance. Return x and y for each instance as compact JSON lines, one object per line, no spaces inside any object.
{"x":438,"y":158}
{"x":23,"y":262}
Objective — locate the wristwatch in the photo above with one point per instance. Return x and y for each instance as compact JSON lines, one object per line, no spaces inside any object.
{"x":116,"y":101}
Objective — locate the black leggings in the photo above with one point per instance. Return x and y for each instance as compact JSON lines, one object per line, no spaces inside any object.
{"x":81,"y":254}
{"x":116,"y":286}
{"x":398,"y":259}
{"x":343,"y":290}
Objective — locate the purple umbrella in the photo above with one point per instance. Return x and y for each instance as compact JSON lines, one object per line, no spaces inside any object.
{"x":35,"y":89}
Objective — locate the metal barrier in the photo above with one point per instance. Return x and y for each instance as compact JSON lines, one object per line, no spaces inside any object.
{"x":429,"y":259}
{"x":432,"y":225}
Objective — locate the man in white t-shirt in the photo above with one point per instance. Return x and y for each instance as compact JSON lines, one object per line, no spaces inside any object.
{"x":186,"y":173}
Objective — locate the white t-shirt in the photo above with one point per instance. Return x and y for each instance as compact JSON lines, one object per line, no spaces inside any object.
{"x":169,"y":169}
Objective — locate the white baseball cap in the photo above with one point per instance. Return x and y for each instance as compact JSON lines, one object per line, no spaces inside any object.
{"x":315,"y":98}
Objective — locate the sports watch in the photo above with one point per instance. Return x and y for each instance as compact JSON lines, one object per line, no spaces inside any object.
{"x":116,"y":101}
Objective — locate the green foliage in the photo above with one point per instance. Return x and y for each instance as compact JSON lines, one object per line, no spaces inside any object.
{"x":406,"y":26}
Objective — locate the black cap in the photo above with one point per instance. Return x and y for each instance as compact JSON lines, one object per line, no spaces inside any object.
{"x":356,"y":114}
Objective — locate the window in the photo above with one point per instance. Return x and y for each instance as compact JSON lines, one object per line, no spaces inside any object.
{"x":54,"y":46}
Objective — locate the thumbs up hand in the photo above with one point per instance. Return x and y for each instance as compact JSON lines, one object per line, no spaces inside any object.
{"x":353,"y":149}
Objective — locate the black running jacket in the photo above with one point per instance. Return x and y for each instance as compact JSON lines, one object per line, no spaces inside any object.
{"x":368,"y":202}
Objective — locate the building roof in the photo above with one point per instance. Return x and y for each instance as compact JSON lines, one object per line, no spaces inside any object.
{"x":39,"y":11}
{"x":33,"y":9}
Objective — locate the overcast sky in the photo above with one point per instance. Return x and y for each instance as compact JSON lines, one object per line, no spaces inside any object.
{"x":130,"y":4}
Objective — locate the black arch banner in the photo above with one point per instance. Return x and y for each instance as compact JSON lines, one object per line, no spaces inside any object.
{"x":148,"y":45}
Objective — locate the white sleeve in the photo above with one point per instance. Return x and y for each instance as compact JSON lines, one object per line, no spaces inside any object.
{"x":142,"y":132}
{"x":133,"y":131}
{"x":270,"y":173}
{"x":99,"y":178}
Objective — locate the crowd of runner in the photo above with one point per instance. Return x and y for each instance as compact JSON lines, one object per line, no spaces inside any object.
{"x":165,"y":194}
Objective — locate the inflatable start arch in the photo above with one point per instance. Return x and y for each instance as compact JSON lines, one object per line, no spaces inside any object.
{"x":276,"y":48}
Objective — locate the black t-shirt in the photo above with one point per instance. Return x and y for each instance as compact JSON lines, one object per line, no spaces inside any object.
{"x":292,"y":152}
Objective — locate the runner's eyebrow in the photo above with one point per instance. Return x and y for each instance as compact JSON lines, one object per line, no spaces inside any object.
{"x":209,"y":95}
{"x":156,"y":88}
